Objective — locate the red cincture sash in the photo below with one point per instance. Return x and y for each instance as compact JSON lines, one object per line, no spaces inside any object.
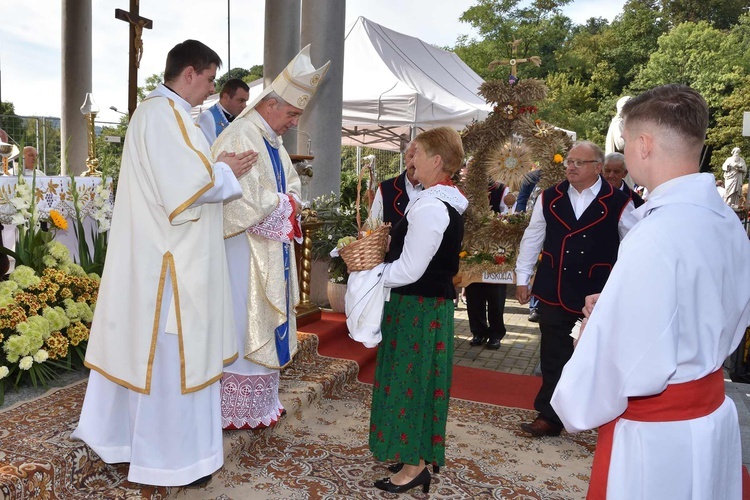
{"x":686,"y":401}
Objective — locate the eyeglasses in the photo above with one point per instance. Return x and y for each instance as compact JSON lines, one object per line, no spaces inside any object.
{"x":577,"y":163}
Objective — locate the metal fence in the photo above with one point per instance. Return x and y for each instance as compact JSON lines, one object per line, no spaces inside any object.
{"x":42,"y":132}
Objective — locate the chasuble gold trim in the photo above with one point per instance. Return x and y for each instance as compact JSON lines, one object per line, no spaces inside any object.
{"x":181,"y":124}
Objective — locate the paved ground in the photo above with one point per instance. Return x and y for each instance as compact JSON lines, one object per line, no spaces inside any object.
{"x":519,"y":353}
{"x":519,"y":349}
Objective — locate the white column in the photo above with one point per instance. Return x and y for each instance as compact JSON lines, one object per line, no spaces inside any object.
{"x":76,"y":82}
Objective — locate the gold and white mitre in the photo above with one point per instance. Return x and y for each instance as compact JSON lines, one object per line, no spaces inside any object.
{"x":296,"y":84}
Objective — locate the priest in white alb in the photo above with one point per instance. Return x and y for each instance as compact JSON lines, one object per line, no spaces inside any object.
{"x":163,"y":326}
{"x":647,"y":369}
{"x":260,"y":229}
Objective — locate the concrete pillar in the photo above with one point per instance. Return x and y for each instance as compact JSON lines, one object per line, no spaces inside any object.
{"x":281,"y":44}
{"x":323,"y":26}
{"x":76,"y":82}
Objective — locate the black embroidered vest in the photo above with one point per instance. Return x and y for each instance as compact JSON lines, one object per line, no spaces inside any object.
{"x":577,"y":255}
{"x":437,"y":280}
{"x":395,"y":198}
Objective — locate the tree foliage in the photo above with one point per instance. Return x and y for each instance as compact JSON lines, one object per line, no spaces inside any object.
{"x":701,"y":43}
{"x":720,"y":14}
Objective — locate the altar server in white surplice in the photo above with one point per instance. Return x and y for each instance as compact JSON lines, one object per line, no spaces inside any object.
{"x":163,"y":326}
{"x":259,"y":229}
{"x":647,"y":369}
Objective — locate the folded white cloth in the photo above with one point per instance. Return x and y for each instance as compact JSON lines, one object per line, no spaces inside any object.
{"x":364,"y":302}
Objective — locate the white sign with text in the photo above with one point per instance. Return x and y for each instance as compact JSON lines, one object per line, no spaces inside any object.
{"x":507,"y":277}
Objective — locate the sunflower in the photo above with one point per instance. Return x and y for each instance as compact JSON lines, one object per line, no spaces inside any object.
{"x":58,"y":220}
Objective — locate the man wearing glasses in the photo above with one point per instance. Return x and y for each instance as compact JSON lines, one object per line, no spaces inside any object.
{"x":577,"y":226}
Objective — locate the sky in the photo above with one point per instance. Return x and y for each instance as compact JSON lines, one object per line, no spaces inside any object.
{"x":30,"y":40}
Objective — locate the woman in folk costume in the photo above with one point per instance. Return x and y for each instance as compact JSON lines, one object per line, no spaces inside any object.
{"x":415,"y":358}
{"x":163,"y":325}
{"x":259,"y":230}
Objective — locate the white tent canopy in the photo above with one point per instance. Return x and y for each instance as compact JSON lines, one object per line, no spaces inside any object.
{"x":394,"y":83}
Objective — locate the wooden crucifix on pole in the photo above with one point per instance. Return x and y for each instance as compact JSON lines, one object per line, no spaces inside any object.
{"x":514,"y":61}
{"x":137,"y":23}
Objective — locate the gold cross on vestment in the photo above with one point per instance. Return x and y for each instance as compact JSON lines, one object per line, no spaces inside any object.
{"x":514,"y":61}
{"x":137,"y":24}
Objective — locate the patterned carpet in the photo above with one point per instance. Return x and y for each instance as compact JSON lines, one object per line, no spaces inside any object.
{"x":319,"y":450}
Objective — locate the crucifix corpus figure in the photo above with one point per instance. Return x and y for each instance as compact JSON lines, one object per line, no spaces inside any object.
{"x":137,"y":23}
{"x":514,"y":61}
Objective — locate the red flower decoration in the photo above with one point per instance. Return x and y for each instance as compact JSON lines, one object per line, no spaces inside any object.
{"x":416,"y":347}
{"x":440,"y":346}
{"x":409,"y":367}
{"x":499,"y":259}
{"x":440,"y":300}
{"x":373,"y":427}
{"x":409,"y":393}
{"x":404,"y":438}
{"x":434,"y":324}
{"x":415,"y":321}
{"x":438,"y":393}
{"x":420,"y":300}
{"x":402,"y":412}
{"x":393,"y":343}
{"x":388,"y":319}
{"x":437,"y":439}
{"x":380,"y":435}
{"x":377,"y":385}
{"x":387,"y":389}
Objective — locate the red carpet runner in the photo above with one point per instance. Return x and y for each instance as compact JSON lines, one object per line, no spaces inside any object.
{"x":485,"y":386}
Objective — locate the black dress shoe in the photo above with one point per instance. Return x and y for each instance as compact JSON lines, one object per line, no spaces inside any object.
{"x":424,"y":478}
{"x":493,"y":344}
{"x":397,"y":467}
{"x":198,"y":483}
{"x":540,"y":427}
{"x":477,"y":340}
{"x":534,"y":316}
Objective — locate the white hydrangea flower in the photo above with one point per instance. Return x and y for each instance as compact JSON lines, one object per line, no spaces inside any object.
{"x":41,"y":356}
{"x":26,"y":363}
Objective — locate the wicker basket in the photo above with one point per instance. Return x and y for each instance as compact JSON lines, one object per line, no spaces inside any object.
{"x":368,"y":251}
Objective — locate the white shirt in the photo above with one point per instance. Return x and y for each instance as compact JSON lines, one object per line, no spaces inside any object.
{"x":675,"y":306}
{"x":533,"y":238}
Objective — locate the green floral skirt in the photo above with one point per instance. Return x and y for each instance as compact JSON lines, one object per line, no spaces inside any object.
{"x":412,"y":380}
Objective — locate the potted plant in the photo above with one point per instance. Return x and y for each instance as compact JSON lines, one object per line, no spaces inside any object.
{"x":338,"y":222}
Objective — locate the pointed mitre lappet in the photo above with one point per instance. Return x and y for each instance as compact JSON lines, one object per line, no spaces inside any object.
{"x":297,"y":83}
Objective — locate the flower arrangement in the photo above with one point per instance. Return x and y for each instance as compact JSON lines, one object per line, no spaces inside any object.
{"x":102,"y":214}
{"x":32,"y":235}
{"x":47,"y":302}
{"x":45,"y":319}
{"x":498,"y":249}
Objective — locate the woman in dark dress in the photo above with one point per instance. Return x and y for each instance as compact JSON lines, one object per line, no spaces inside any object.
{"x":415,"y":358}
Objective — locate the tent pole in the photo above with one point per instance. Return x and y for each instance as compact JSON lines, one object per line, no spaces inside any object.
{"x":359,"y":159}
